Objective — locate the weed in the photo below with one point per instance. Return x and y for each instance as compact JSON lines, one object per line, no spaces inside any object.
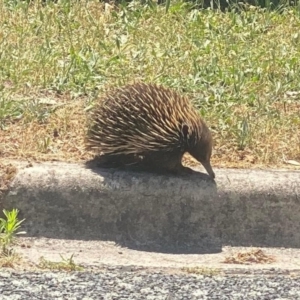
{"x":44,"y":144}
{"x":9,"y":111}
{"x":65,"y":265}
{"x":202,"y":271}
{"x":8,"y":229}
{"x":8,"y":259}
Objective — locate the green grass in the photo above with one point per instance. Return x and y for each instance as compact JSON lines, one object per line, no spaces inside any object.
{"x":241,"y":69}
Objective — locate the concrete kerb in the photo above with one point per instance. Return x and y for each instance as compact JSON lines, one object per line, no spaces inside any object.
{"x":189,"y":214}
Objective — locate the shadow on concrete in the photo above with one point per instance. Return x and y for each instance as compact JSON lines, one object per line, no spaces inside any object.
{"x":174,"y":238}
{"x":148,"y":220}
{"x":205,"y":246}
{"x":101,"y":168}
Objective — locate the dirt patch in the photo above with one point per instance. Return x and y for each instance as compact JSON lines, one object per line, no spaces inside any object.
{"x":7,"y":174}
{"x":96,"y":255}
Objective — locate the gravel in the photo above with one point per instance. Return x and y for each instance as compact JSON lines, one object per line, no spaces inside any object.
{"x":123,"y":285}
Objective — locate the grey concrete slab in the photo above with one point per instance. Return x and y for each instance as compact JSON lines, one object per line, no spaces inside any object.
{"x":160,"y":213}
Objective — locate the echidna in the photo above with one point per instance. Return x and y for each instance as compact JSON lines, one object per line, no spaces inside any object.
{"x":149,"y":125}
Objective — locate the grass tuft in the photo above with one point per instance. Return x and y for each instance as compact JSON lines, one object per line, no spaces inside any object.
{"x":64,"y":265}
{"x":202,"y":271}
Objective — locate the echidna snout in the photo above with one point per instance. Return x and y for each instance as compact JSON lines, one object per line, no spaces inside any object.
{"x":203,"y":150}
{"x":208,"y":168}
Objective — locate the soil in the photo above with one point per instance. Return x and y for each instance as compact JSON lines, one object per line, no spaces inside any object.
{"x":97,"y":255}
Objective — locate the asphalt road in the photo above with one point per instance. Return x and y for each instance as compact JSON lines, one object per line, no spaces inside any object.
{"x":117,"y":283}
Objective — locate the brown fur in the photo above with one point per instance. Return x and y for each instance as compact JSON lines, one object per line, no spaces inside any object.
{"x":151,"y":126}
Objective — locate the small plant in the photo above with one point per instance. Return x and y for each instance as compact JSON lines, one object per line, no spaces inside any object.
{"x":8,"y":229}
{"x":44,"y":144}
{"x":64,"y":265}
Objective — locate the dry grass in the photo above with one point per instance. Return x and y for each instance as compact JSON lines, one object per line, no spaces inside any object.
{"x":57,"y":59}
{"x":60,"y":137}
{"x":256,"y":256}
{"x":9,"y":260}
{"x":7,"y":173}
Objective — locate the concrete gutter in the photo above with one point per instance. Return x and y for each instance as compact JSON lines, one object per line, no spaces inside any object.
{"x":188,"y":214}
